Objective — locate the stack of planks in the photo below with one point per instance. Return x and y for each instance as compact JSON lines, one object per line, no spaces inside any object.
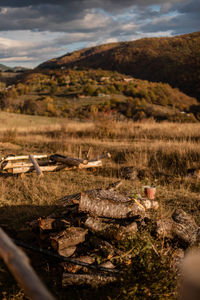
{"x":45,"y":163}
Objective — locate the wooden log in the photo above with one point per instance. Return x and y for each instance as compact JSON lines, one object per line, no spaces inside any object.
{"x":38,"y":156}
{"x":18,"y":264}
{"x":72,"y":268}
{"x":164,"y":228}
{"x":36,"y":166}
{"x":68,"y":160}
{"x":68,"y":238}
{"x":54,"y":168}
{"x":104,"y":248}
{"x":106,"y":155}
{"x":52,"y":224}
{"x":87,"y":279}
{"x":103,"y":205}
{"x":111,"y":231}
{"x":75,"y":198}
{"x":184,"y":227}
{"x":96,"y":225}
{"x":22,"y":164}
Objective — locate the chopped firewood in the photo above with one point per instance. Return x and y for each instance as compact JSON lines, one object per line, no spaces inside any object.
{"x":128,"y":231}
{"x":107,"y":264}
{"x":184,"y":227}
{"x":68,"y":160}
{"x":72,"y":268}
{"x":67,"y":238}
{"x":109,"y":204}
{"x":75,"y":198}
{"x":149,"y":204}
{"x":87,"y":279}
{"x":51,"y":223}
{"x":164,"y":228}
{"x":96,"y":225}
{"x":109,"y":230}
{"x":105,"y":248}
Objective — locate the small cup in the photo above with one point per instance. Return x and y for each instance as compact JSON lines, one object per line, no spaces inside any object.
{"x":150,"y":192}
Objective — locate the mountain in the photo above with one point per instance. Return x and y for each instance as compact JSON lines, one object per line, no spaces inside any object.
{"x":4,"y":68}
{"x":173,"y":60}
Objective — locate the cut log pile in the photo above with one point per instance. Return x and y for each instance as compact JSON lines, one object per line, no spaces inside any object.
{"x":47,"y":163}
{"x":88,"y":230}
{"x":85,"y":235}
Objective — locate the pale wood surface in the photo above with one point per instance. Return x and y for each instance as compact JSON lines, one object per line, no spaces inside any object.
{"x":36,"y":165}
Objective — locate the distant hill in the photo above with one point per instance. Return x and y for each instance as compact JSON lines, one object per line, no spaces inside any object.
{"x":4,"y":68}
{"x":94,"y":94}
{"x":173,"y":60}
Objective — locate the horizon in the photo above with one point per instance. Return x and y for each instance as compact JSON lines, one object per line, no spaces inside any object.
{"x":33,"y":32}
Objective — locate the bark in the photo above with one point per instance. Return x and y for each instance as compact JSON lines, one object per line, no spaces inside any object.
{"x":109,"y":204}
{"x":18,"y":264}
{"x":184,"y":227}
{"x":86,"y":279}
{"x":52,"y":224}
{"x":75,"y":198}
{"x":68,"y":160}
{"x":111,"y":231}
{"x":164,"y":228}
{"x":104,"y":248}
{"x":72,"y":268}
{"x":68,"y":238}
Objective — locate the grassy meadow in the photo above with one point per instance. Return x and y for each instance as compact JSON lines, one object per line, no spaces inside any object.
{"x":161,"y":153}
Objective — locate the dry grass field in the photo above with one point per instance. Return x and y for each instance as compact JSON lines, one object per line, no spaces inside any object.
{"x":161,"y":152}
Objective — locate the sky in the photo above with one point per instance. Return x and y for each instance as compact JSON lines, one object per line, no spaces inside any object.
{"x":33,"y":31}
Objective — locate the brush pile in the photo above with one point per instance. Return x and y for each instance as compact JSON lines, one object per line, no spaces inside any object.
{"x":47,"y":163}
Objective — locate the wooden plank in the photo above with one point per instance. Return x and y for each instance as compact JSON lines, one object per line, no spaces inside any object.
{"x":53,"y":168}
{"x":23,"y":164}
{"x":36,"y":166}
{"x":24,"y":157}
{"x":19,"y":266}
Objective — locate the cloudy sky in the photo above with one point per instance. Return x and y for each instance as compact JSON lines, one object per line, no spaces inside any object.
{"x":32,"y":31}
